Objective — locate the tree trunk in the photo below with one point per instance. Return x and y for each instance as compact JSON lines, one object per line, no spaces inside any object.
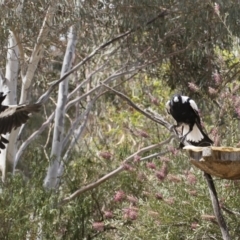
{"x":52,"y":173}
{"x":27,"y":76}
{"x":11,"y":81}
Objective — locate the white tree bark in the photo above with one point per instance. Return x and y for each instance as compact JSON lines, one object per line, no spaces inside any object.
{"x":76,"y":136}
{"x":52,"y":173}
{"x":11,"y":81}
{"x":37,"y":52}
{"x":27,"y":73}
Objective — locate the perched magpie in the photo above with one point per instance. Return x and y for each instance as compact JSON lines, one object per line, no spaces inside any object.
{"x":185,"y":111}
{"x":13,"y":116}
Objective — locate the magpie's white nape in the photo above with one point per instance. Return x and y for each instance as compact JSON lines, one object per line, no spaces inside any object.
{"x":185,"y":111}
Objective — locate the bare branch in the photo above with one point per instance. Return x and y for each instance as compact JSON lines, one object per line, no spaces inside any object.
{"x":84,"y":117}
{"x":46,"y":95}
{"x":154,"y":155}
{"x":37,"y":51}
{"x":156,"y":118}
{"x":20,"y":47}
{"x":115,"y":75}
{"x":48,"y":136}
{"x":114,"y":172}
{"x":31,"y":138}
{"x":86,"y":80}
{"x":106,"y":62}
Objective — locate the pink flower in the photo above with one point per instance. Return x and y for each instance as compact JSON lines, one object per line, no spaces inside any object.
{"x":193,"y":193}
{"x":153,"y":214}
{"x":98,"y":226}
{"x":173,"y":150}
{"x":119,"y":196}
{"x":166,"y":159}
{"x":155,"y":101}
{"x":169,"y":201}
{"x":194,"y":225}
{"x":151,"y":165}
{"x":145,"y":194}
{"x":143,"y":134}
{"x":130,"y":214}
{"x":207,"y":217}
{"x":160,"y":175}
{"x":193,"y":87}
{"x":217,"y":78}
{"x":137,"y":158}
{"x":237,"y":110}
{"x":108,"y":214}
{"x":191,"y":179}
{"x":159,"y":196}
{"x":127,"y":167}
{"x":216,"y":8}
{"x":105,"y":155}
{"x":141,"y":177}
{"x":214,"y":131}
{"x":174,"y":178}
{"x":132,"y":199}
{"x":212,"y":91}
{"x":164,"y":169}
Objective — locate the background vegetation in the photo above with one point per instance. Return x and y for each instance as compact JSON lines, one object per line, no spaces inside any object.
{"x":149,"y":50}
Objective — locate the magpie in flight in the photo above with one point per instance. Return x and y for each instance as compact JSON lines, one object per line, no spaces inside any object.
{"x":13,"y":116}
{"x":185,"y":111}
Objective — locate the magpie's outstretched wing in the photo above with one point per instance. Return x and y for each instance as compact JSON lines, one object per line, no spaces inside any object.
{"x":12,"y":117}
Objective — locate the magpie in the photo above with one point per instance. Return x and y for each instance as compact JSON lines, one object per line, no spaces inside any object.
{"x":185,"y":111}
{"x":13,"y":116}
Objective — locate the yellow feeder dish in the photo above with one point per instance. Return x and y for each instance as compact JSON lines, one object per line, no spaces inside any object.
{"x":223,"y":162}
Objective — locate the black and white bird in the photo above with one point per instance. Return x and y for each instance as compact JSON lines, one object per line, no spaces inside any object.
{"x":13,"y":116}
{"x":185,"y":111}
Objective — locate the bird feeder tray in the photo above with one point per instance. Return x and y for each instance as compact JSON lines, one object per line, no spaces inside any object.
{"x":223,"y":162}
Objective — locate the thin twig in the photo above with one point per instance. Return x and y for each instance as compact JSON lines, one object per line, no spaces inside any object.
{"x":154,"y":155}
{"x":32,"y":137}
{"x":231,"y":211}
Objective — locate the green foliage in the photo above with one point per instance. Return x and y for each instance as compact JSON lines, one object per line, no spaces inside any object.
{"x":175,"y":207}
{"x":160,"y":198}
